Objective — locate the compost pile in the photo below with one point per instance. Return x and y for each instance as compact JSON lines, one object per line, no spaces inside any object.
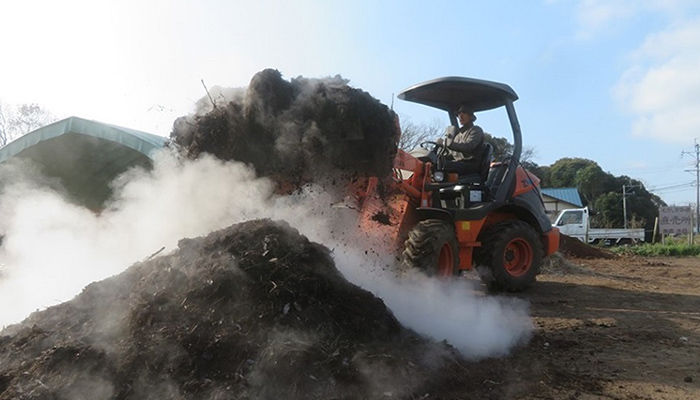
{"x":252,"y":311}
{"x":574,"y":248}
{"x":294,"y":132}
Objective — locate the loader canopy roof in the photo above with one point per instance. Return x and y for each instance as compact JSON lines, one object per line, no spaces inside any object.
{"x":450,"y":92}
{"x":84,"y":156}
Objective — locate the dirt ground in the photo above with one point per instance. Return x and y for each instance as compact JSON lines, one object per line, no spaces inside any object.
{"x":623,"y":328}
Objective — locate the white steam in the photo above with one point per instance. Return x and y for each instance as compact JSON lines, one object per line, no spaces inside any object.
{"x":52,"y":249}
{"x":457,"y":311}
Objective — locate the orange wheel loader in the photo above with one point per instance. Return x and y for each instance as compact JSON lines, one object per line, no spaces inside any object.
{"x":442,"y":223}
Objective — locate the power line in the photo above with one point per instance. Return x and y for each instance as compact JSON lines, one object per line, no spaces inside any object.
{"x":675,"y":186}
{"x":688,"y":189}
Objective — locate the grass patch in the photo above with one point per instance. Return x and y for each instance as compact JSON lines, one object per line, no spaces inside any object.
{"x":658,"y":249}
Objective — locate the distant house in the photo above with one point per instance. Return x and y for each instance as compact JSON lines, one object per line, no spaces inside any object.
{"x":557,"y":199}
{"x":84,"y":156}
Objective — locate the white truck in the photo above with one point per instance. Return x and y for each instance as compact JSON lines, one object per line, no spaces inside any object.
{"x":575,"y":223}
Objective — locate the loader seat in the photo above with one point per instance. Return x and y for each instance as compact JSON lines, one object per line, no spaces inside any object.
{"x":481,"y":176}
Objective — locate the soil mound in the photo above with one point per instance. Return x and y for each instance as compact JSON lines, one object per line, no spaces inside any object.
{"x":251,"y":311}
{"x":572,"y":247}
{"x":297,"y":131}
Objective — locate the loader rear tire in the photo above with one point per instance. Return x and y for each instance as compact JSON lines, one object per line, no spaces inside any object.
{"x":510,"y":256}
{"x":431,"y":247}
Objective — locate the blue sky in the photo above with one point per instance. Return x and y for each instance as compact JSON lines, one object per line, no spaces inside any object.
{"x":614,"y":81}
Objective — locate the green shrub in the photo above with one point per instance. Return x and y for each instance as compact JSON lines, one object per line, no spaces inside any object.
{"x":658,"y":249}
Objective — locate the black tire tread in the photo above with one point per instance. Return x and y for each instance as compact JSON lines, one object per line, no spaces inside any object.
{"x":490,"y":256}
{"x":423,"y":244}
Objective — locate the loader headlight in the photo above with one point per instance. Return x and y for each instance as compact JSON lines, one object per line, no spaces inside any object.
{"x":439,"y":176}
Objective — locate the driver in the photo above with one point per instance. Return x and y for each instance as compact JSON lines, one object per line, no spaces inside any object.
{"x":465,"y":148}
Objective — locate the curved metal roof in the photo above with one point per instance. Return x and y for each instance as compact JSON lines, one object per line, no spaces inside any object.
{"x":85,"y":155}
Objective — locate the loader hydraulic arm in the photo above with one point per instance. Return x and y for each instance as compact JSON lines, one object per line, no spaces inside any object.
{"x":420,"y":175}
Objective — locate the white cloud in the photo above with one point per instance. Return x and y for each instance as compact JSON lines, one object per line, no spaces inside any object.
{"x":597,"y":18}
{"x":662,"y":87}
{"x":601,"y":18}
{"x":595,"y":15}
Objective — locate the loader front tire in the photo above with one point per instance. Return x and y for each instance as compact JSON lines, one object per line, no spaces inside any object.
{"x":431,"y":247}
{"x":510,"y":257}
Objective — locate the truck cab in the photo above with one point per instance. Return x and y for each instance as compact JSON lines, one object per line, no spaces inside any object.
{"x":576,"y":223}
{"x":573,"y":222}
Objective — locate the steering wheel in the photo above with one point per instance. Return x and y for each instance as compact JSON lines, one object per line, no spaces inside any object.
{"x":430,"y":146}
{"x":437,"y":154}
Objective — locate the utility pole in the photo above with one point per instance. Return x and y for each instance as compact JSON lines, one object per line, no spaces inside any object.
{"x":624,"y":200}
{"x":697,"y":181}
{"x":624,"y":206}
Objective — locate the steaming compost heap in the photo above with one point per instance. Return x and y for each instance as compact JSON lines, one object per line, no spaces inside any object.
{"x":296,"y":131}
{"x":251,"y":311}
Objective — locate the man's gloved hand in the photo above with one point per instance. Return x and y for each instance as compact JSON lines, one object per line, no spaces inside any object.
{"x":440,"y":142}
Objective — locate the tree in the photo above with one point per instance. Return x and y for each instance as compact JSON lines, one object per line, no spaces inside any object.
{"x":22,"y":120}
{"x":503,"y":149}
{"x":657,"y":201}
{"x":591,"y":182}
{"x":563,"y":171}
{"x":602,"y":193}
{"x":540,"y":171}
{"x":642,"y":206}
{"x":3,"y":127}
{"x":607,"y":211}
{"x":413,"y":134}
{"x":29,"y":117}
{"x":501,"y":146}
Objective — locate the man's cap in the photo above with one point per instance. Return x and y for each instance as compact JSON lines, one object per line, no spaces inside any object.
{"x":465,"y":108}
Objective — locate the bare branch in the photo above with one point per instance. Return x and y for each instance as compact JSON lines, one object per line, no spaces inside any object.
{"x":413,"y":134}
{"x":3,"y":127}
{"x":213,"y":104}
{"x":22,"y":120}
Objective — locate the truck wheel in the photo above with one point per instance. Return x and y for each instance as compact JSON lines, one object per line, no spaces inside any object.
{"x":510,"y":257}
{"x":432,"y":247}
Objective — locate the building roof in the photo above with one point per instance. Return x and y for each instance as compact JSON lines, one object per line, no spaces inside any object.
{"x":144,"y":143}
{"x":85,"y":156}
{"x":569,"y":195}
